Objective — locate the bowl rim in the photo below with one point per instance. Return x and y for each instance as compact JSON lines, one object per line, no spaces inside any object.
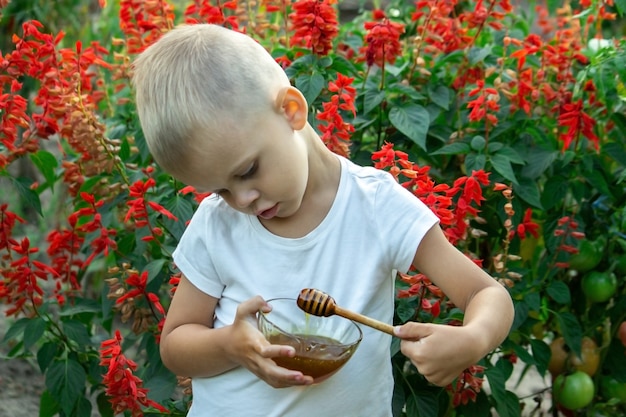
{"x":264,"y":314}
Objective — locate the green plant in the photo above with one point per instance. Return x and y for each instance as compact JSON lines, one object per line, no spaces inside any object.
{"x":509,"y":123}
{"x":612,"y":388}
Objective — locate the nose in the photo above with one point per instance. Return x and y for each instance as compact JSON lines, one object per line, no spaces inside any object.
{"x":244,"y":197}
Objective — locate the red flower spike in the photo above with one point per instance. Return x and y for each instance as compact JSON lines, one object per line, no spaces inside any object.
{"x":314,"y":25}
{"x":382,"y":40}
{"x":335,"y":133}
{"x":124,"y":389}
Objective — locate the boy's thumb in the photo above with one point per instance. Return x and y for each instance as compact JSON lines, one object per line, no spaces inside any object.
{"x":412,"y":330}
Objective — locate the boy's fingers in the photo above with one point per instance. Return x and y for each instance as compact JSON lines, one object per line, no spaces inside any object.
{"x":413,"y":330}
{"x":272,"y":351}
{"x":251,"y":306}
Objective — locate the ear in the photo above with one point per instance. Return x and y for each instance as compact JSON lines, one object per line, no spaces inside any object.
{"x":293,"y":105}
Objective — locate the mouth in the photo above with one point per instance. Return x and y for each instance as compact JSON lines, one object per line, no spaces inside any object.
{"x":269,"y":213}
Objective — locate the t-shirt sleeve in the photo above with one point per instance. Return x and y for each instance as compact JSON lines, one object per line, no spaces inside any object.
{"x":192,"y":256}
{"x":404,"y":222}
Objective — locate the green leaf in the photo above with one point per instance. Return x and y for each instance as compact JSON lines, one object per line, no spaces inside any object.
{"x":571,"y":330}
{"x":404,"y":310}
{"x":46,"y":163}
{"x":81,"y":305}
{"x":502,"y":165}
{"x":33,"y":331}
{"x":372,"y":99}
{"x":77,"y":331}
{"x":182,"y":209}
{"x":478,"y":143}
{"x":83,"y":408}
{"x":475,"y":162}
{"x":423,"y":402}
{"x":596,"y":179}
{"x":30,"y":197}
{"x":521,"y":314}
{"x":497,"y":381}
{"x":615,"y":359}
{"x":455,"y":148}
{"x":16,"y":330}
{"x":510,"y":406}
{"x":494,"y":147}
{"x":46,"y":354}
{"x":511,"y":154}
{"x":65,"y":381}
{"x":521,"y":353}
{"x":104,"y":405}
{"x":48,"y":407}
{"x":161,"y":387}
{"x":154,"y":268}
{"x":440,"y":95}
{"x":412,"y":120}
{"x":533,"y":300}
{"x":477,"y":55}
{"x":528,"y":190}
{"x":395,"y":70}
{"x":559,"y":292}
{"x":310,"y":85}
{"x":480,"y":407}
{"x":542,"y":353}
{"x":124,"y":152}
{"x":538,"y":161}
{"x":554,"y":191}
{"x":615,"y":150}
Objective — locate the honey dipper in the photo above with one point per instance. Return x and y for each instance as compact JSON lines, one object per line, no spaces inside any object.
{"x":318,"y":303}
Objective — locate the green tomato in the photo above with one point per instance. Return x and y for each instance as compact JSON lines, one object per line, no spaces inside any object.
{"x":588,"y":257}
{"x":612,"y":388}
{"x":599,"y":286}
{"x":573,"y":391}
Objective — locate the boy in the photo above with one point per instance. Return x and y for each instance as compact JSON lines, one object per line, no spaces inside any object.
{"x":218,"y":113}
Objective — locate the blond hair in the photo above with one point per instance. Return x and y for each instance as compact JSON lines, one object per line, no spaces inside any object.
{"x":194,"y":82}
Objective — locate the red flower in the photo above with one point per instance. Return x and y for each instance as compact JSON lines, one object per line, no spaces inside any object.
{"x":314,"y":23}
{"x":382,"y":41}
{"x":467,"y":386}
{"x":485,"y":104}
{"x":143,"y":22}
{"x":196,"y":195}
{"x":336,"y":132}
{"x":207,"y":12}
{"x":527,"y":226}
{"x":577,"y":122}
{"x":138,"y":208}
{"x":124,"y":389}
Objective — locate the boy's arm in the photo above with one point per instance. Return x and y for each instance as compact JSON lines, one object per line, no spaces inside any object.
{"x":442,"y":352}
{"x":190,"y":346}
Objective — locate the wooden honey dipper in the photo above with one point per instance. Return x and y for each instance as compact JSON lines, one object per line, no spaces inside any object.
{"x":318,"y":303}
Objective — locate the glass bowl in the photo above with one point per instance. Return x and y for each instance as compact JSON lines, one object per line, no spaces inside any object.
{"x":323,"y":344}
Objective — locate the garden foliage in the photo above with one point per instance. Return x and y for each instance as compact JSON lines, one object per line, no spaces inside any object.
{"x":508,"y":121}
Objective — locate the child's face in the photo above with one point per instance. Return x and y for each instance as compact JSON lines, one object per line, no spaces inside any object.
{"x":260,"y":169}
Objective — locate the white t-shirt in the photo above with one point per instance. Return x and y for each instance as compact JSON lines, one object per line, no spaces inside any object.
{"x":371,"y":231}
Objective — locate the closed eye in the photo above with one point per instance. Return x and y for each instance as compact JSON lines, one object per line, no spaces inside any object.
{"x":250,"y":172}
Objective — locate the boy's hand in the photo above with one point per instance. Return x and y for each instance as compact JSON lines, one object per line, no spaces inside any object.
{"x":440,"y":352}
{"x":251,"y":350}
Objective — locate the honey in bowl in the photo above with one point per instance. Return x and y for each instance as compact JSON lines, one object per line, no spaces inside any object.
{"x":323,"y":344}
{"x":316,"y":356}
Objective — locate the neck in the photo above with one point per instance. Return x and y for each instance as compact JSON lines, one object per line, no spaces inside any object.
{"x":323,"y":163}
